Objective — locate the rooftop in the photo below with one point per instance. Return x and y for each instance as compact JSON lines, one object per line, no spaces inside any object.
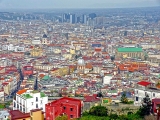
{"x":35,"y":91}
{"x":130,"y":49}
{"x":3,"y":113}
{"x":16,"y":114}
{"x":144,"y":83}
{"x":46,"y":77}
{"x":42,"y":94}
{"x":27,"y":96}
{"x":21,"y":91}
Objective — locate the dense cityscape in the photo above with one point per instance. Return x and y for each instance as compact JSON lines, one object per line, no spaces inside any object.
{"x":77,"y":63}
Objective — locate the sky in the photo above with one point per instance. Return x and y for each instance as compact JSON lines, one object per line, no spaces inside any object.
{"x":51,"y":4}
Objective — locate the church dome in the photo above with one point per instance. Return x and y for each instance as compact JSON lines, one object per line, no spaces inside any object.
{"x":81,"y":62}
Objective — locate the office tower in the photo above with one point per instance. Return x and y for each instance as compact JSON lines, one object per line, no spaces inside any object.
{"x":84,"y":19}
{"x":65,"y":17}
{"x":78,"y":20}
{"x":72,"y":18}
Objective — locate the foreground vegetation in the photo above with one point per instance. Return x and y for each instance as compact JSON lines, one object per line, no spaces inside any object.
{"x":102,"y":113}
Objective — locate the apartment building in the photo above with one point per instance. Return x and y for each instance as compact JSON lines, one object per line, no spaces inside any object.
{"x":144,"y":88}
{"x":69,"y":106}
{"x":27,"y":100}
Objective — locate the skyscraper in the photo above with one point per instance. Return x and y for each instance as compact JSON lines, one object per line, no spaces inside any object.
{"x":84,"y":19}
{"x":65,"y":17}
{"x":72,"y":18}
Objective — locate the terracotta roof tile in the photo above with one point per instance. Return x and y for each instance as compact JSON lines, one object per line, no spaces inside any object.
{"x":21,"y":91}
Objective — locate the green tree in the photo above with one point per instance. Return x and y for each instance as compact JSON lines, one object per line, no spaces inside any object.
{"x":112,"y":58}
{"x":145,"y":108}
{"x":63,"y":117}
{"x":99,"y":94}
{"x":76,"y":56}
{"x":124,"y":98}
{"x":2,"y":106}
{"x":98,"y":111}
{"x":113,"y":117}
{"x":52,"y":91}
{"x":123,"y":117}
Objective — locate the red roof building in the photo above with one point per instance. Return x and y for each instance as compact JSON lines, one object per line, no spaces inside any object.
{"x":92,"y":98}
{"x":144,"y":83}
{"x":69,"y":106}
{"x":27,"y":70}
{"x":16,"y":114}
{"x":155,"y":103}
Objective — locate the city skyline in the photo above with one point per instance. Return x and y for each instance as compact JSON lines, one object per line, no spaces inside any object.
{"x":50,"y":4}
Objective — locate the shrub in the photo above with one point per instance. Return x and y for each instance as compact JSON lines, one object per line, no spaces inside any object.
{"x":130,"y":102}
{"x":113,"y":117}
{"x":123,"y":117}
{"x":98,"y":111}
{"x":129,"y":113}
{"x":63,"y":117}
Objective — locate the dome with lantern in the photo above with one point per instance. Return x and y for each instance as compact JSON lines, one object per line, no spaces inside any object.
{"x":81,"y":62}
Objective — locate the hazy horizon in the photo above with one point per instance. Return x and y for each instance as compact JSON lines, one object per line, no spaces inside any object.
{"x":79,"y":4}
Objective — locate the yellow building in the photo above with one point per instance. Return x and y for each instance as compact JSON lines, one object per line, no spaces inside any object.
{"x":60,"y":71}
{"x":72,"y":51}
{"x":106,"y":100}
{"x":36,"y":52}
{"x":6,"y":88}
{"x":67,"y":56}
{"x":57,"y":51}
{"x":36,"y":114}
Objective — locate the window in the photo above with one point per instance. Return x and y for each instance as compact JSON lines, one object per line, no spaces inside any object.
{"x":136,"y":98}
{"x":17,"y":106}
{"x":36,"y":105}
{"x":153,"y":94}
{"x":71,"y":109}
{"x":145,"y":93}
{"x":71,"y":116}
{"x":64,"y":107}
{"x":36,"y":99}
{"x":14,"y":104}
{"x":23,"y":109}
{"x":137,"y":91}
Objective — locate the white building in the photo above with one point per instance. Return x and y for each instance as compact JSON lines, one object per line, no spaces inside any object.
{"x":11,"y":47}
{"x":36,"y":42}
{"x":27,"y":100}
{"x":4,"y":115}
{"x":144,"y":88}
{"x":107,"y":80}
